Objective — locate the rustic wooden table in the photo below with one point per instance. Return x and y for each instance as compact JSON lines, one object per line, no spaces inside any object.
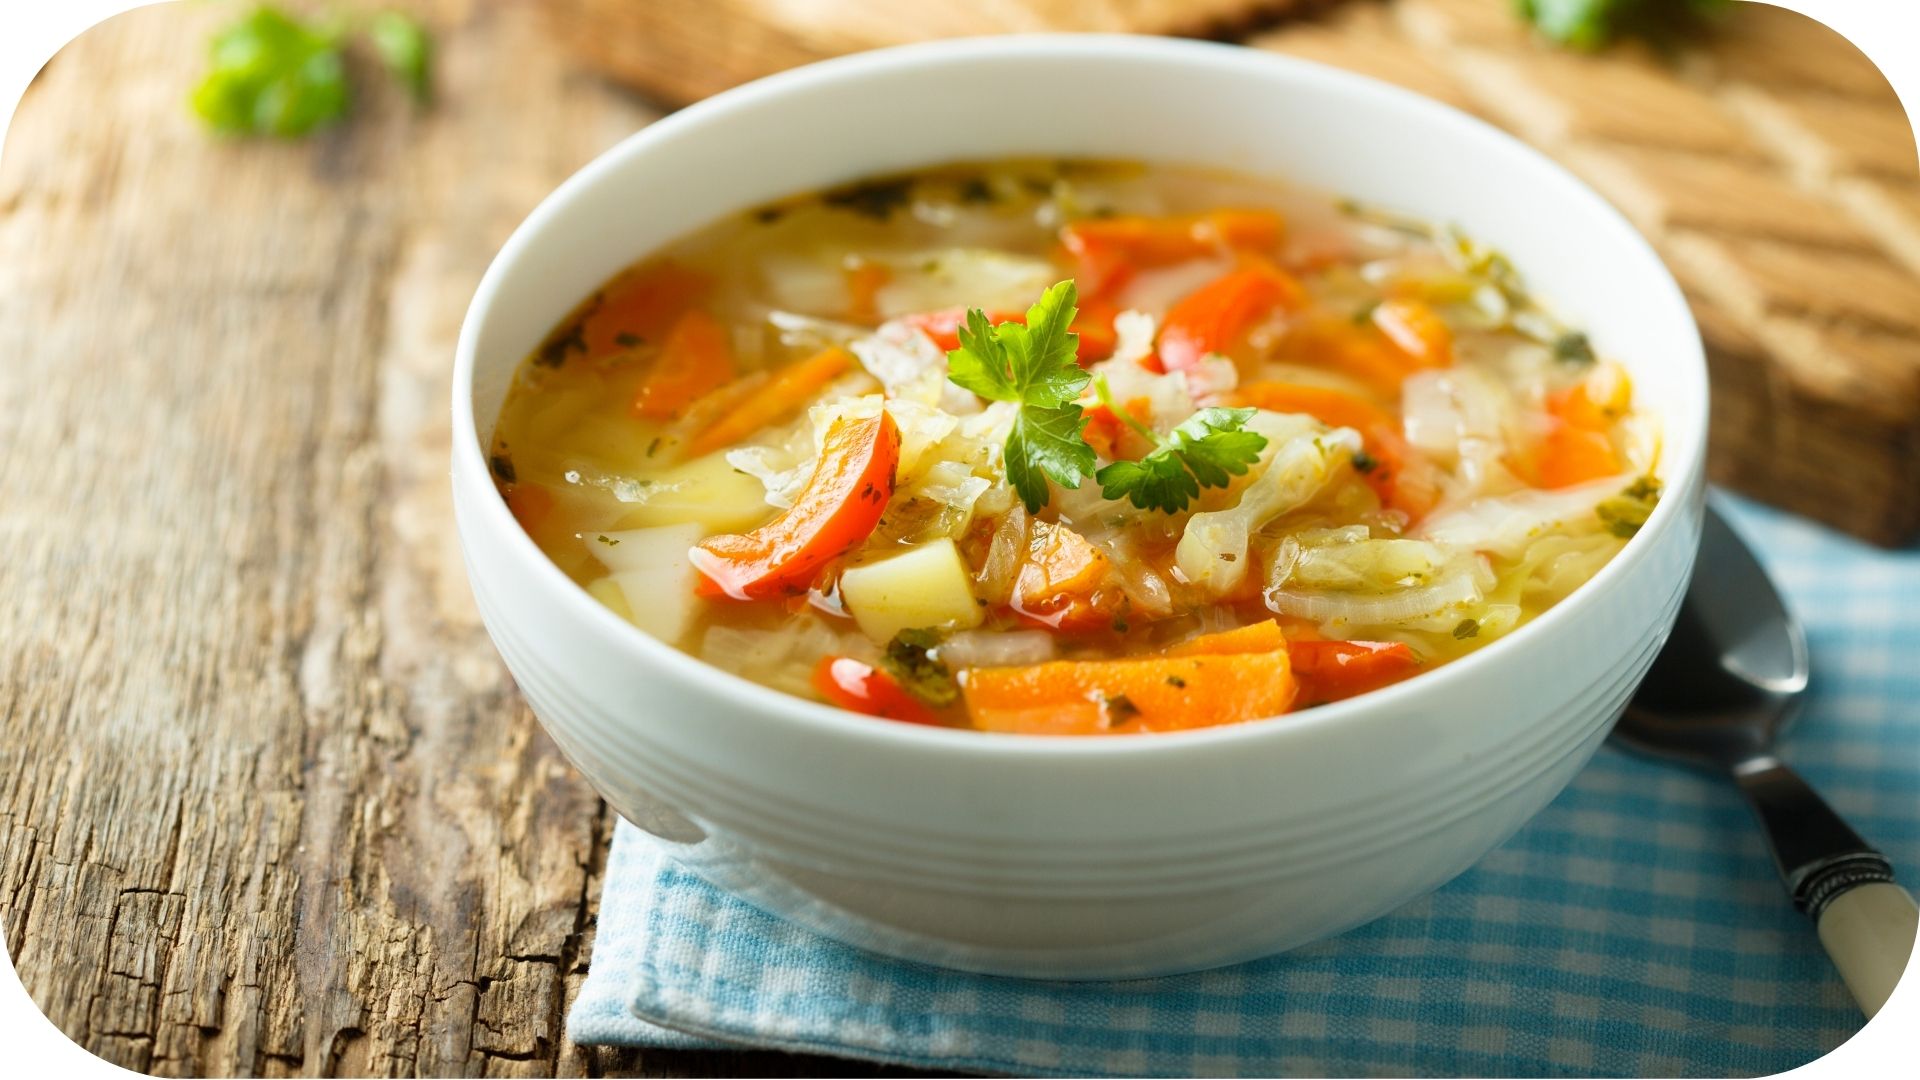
{"x":271,"y":804}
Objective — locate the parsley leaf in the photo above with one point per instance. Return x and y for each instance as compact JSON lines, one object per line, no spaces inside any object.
{"x":274,"y":75}
{"x":1034,"y":366}
{"x":1590,"y":24}
{"x":405,"y":49}
{"x":1207,"y":450}
{"x":911,"y":659}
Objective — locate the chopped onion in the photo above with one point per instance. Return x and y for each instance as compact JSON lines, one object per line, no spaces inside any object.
{"x":1212,"y":552}
{"x":996,"y":648}
{"x":1455,"y":590}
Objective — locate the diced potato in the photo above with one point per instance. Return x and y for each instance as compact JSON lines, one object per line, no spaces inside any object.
{"x":651,"y":571}
{"x":926,"y":586}
{"x":608,"y":592}
{"x":707,"y":491}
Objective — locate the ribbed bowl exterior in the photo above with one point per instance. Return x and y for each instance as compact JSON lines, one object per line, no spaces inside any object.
{"x":1080,"y":858}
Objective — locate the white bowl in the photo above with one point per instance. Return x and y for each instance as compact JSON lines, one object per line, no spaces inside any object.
{"x":1065,"y":857}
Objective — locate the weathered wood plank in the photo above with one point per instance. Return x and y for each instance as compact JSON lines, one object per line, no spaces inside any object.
{"x":272,"y":805}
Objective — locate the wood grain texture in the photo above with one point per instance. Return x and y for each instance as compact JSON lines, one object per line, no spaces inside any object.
{"x":271,"y":805}
{"x":679,"y":51}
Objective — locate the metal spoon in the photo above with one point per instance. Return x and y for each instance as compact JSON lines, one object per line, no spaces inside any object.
{"x":1729,"y":679}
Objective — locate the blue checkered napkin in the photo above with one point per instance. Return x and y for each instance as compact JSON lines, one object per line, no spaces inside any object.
{"x":1634,"y":928}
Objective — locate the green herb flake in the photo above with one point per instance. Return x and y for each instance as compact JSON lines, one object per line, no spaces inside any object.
{"x":406,"y":51}
{"x":272,"y":74}
{"x":1468,"y":628}
{"x":502,"y":467}
{"x":767,"y":215}
{"x":1625,"y":513}
{"x":654,"y":446}
{"x":628,"y":341}
{"x":1176,"y":682}
{"x":1364,"y":462}
{"x":1118,"y":709}
{"x":1592,"y":24}
{"x":1364,"y":313}
{"x":877,"y":199}
{"x":1032,"y":365}
{"x":607,"y":540}
{"x":1573,"y":347}
{"x":911,"y":661}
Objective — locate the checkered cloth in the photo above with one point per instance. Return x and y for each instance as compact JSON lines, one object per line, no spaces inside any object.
{"x":1635,"y":927}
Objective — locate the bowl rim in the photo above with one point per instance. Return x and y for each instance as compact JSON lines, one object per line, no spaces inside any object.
{"x":751,"y":698}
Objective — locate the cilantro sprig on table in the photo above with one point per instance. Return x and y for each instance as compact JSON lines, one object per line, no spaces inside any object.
{"x":1034,"y":366}
{"x":272,"y":73}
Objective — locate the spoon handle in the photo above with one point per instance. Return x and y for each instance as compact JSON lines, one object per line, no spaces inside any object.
{"x":1866,"y":922}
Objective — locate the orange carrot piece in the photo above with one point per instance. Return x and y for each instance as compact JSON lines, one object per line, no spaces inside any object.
{"x":1333,"y":670}
{"x":1111,"y":437}
{"x":1342,"y":345}
{"x":786,"y":393}
{"x":1094,"y":327}
{"x":1214,"y":316}
{"x":860,"y":687}
{"x":695,"y":360}
{"x":1257,"y":637}
{"x":865,"y":279}
{"x":641,"y":305}
{"x":1153,"y":693}
{"x":1568,"y":456}
{"x":1059,"y":581}
{"x":530,"y":505}
{"x":837,"y":510}
{"x":1416,"y":330}
{"x":1108,"y":250}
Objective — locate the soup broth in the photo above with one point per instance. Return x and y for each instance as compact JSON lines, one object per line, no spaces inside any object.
{"x":1073,"y":448}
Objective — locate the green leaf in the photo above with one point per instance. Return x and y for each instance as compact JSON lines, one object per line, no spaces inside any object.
{"x":1591,"y":24}
{"x":1047,"y":442}
{"x":274,"y":75}
{"x":1207,"y":450}
{"x":910,"y":659}
{"x":1035,"y":366}
{"x":405,"y":49}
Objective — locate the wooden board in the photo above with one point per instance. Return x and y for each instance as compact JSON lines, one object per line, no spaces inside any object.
{"x":1769,"y":162}
{"x":269,"y":803}
{"x":679,"y":51}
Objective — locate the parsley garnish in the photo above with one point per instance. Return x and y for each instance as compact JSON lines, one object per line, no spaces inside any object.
{"x":607,"y":540}
{"x":406,"y":51}
{"x":1364,"y":462}
{"x":1207,"y":450}
{"x":1573,"y":347}
{"x":1623,"y":514}
{"x":1590,"y":24}
{"x":274,"y":75}
{"x":1468,"y":628}
{"x":910,"y":660}
{"x":1034,"y":367}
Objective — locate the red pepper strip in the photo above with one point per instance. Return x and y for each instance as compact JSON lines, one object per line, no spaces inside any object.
{"x":1333,"y":670}
{"x":1214,"y":316}
{"x":835,"y":512}
{"x":862,"y":688}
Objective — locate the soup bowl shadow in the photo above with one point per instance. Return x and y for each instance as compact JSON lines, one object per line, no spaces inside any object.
{"x":1062,"y":857}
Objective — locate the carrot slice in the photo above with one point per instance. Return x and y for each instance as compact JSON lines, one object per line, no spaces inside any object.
{"x":1257,"y":637}
{"x":837,"y":510}
{"x":862,"y":688}
{"x":640,"y":306}
{"x":1569,"y":456}
{"x":530,"y":504}
{"x":1154,"y":693}
{"x":1108,"y":250}
{"x":1058,"y":583}
{"x":1399,"y":476}
{"x":1094,"y":326}
{"x":786,"y":393}
{"x":1416,"y":330}
{"x":1333,"y":670}
{"x":865,"y":279}
{"x":1215,"y":315}
{"x":695,"y":360}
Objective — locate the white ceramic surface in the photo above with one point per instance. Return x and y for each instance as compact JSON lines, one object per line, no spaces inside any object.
{"x":1081,"y":858}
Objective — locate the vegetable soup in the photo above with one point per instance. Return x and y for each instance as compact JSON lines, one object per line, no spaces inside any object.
{"x":1073,"y":447}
